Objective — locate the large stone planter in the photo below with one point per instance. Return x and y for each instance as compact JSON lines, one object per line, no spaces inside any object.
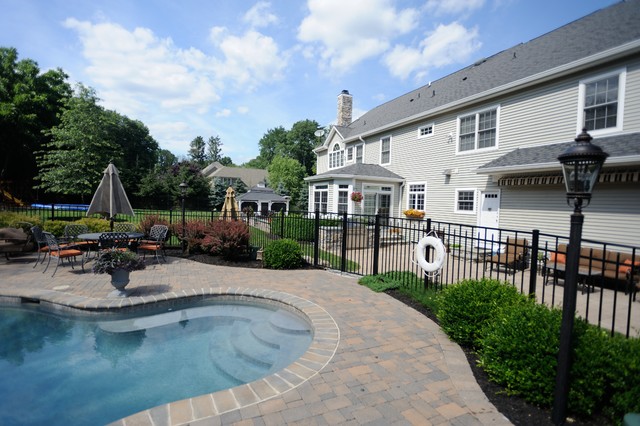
{"x":120,"y":279}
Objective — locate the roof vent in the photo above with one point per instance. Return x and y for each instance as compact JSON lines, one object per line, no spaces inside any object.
{"x":479,"y":62}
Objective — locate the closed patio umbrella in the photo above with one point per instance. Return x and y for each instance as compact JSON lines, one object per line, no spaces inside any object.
{"x":230,"y":208}
{"x":110,"y":197}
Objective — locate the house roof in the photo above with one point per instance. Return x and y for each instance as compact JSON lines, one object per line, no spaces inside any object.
{"x":623,"y":150}
{"x":360,"y":171}
{"x":260,"y":193}
{"x":602,"y":35}
{"x":250,"y":177}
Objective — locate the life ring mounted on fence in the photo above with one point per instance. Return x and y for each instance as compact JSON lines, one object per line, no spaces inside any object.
{"x":438,"y":259}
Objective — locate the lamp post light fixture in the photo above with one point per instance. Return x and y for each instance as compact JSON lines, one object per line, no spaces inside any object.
{"x":581,"y":164}
{"x":183,"y":194}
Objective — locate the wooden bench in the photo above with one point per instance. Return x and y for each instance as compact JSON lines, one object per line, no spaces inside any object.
{"x":615,"y":268}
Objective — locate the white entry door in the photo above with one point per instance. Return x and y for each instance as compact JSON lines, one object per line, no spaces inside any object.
{"x":489,"y":215}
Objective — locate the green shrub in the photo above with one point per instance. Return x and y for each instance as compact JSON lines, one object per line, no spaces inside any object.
{"x":95,"y":224}
{"x":379,"y":283}
{"x":56,"y":227}
{"x":283,"y":254}
{"x":10,"y":219}
{"x":464,"y":309}
{"x":519,"y":350}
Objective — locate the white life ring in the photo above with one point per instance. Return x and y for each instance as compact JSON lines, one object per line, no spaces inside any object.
{"x":438,"y":260}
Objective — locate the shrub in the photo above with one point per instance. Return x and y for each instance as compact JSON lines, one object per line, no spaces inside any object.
{"x":464,"y":309}
{"x":283,"y":254}
{"x":10,"y":219}
{"x":519,"y":350}
{"x":194,"y":233}
{"x":95,"y":224}
{"x":230,"y":239}
{"x":56,"y":227}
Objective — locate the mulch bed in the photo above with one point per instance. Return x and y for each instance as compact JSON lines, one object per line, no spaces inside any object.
{"x":516,"y":409}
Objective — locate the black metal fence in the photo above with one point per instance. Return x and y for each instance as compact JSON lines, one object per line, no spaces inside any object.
{"x":368,"y":245}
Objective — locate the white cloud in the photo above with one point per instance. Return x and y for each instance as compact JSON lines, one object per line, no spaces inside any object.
{"x":243,"y":110}
{"x":448,"y":44}
{"x":251,"y":60}
{"x":259,"y":15}
{"x":226,"y":112}
{"x":345,"y":33}
{"x":453,"y":7}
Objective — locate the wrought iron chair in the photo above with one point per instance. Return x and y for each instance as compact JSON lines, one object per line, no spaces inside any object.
{"x":111,"y":240}
{"x":41,"y":244}
{"x":61,"y":252}
{"x":124,"y":227}
{"x":155,"y":243}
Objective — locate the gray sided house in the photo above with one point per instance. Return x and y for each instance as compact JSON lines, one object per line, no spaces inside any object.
{"x":480,"y":146}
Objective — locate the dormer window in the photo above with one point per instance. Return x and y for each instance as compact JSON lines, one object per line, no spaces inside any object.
{"x":336,"y":157}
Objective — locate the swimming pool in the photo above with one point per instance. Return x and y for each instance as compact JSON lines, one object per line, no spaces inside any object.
{"x":67,"y":370}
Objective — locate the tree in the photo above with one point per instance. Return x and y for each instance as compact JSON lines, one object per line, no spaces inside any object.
{"x":73,"y":161}
{"x":214,"y":149}
{"x":269,"y":144}
{"x":87,"y":138}
{"x":197,"y":151}
{"x":29,"y":105}
{"x":299,"y":144}
{"x":289,"y":173}
{"x":162,"y":187}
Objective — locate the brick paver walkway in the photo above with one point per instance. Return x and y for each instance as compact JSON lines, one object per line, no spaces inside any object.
{"x":392,"y":366}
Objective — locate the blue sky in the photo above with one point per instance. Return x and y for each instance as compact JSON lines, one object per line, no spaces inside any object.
{"x":237,"y":68}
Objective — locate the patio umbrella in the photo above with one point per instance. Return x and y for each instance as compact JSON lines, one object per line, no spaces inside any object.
{"x":110,"y":198}
{"x":230,"y":208}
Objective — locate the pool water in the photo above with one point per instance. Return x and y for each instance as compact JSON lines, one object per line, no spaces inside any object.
{"x":60,"y":370}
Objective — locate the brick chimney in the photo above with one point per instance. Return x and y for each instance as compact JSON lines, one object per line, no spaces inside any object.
{"x":345,"y":107}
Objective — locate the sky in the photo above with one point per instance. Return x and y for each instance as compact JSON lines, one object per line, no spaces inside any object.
{"x":238,"y":68}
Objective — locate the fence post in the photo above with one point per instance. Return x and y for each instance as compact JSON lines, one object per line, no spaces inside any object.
{"x":376,"y":244}
{"x":533,"y":269}
{"x":171,"y":216}
{"x":53,"y":209}
{"x":281,"y":223}
{"x":343,"y":249}
{"x":428,"y":254}
{"x":316,"y":235}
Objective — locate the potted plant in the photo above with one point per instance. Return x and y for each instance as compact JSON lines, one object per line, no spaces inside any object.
{"x":118,"y":264}
{"x":356,"y":196}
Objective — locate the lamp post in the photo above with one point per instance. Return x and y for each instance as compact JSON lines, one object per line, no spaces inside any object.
{"x":581,"y":164}
{"x":183,"y":194}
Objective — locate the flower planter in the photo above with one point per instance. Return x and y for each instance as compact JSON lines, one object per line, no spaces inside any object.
{"x":120,"y":278}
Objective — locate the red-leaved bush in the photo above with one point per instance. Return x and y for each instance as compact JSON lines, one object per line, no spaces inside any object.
{"x":195,"y":232}
{"x":229,"y":239}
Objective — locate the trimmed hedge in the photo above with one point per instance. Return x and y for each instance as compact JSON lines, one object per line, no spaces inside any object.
{"x":283,"y":254}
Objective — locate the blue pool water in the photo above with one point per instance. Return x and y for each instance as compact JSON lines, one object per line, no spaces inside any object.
{"x":59,"y":370}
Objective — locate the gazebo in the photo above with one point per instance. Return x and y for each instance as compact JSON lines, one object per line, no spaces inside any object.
{"x":263,"y":200}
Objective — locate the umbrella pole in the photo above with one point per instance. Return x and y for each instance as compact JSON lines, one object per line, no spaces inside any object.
{"x":111,"y":223}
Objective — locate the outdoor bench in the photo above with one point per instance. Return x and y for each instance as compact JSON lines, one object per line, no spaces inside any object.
{"x":614,"y":268}
{"x":512,"y":255}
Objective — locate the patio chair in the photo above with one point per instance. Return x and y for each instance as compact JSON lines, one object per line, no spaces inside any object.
{"x":514,"y":255}
{"x":61,"y":252}
{"x":41,"y":243}
{"x":124,"y":227}
{"x":155,"y":243}
{"x":113,"y":240}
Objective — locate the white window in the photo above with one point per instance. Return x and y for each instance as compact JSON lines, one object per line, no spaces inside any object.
{"x":479,"y":130}
{"x":320,"y":198}
{"x":359,"y":153}
{"x":385,"y":150}
{"x":425,"y":131}
{"x":343,"y":198}
{"x":601,"y":102}
{"x":465,"y":201}
{"x":416,"y":196}
{"x":377,"y":200}
{"x":336,"y":157}
{"x":350,"y":154}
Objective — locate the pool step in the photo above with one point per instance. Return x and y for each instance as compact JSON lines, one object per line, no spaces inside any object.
{"x":225,"y":359}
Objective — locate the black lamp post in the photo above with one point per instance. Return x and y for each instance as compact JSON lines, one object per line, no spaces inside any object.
{"x":183,"y":194}
{"x":581,"y":164}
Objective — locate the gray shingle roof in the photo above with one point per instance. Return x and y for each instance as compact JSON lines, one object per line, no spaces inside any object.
{"x":602,"y":30}
{"x":619,"y":148}
{"x":360,"y":170}
{"x":261,"y":194}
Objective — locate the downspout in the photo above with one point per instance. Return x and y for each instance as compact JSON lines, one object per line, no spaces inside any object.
{"x":400,"y":198}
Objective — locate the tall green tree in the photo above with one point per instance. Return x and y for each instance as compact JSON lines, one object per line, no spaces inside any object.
{"x":162,"y":187}
{"x":299,"y":144}
{"x":288,"y":173}
{"x":197,"y":151}
{"x":30,"y":102}
{"x":214,"y":149}
{"x":269,"y":144}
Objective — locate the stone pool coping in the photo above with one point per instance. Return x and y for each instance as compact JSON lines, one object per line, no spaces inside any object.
{"x":326,"y":337}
